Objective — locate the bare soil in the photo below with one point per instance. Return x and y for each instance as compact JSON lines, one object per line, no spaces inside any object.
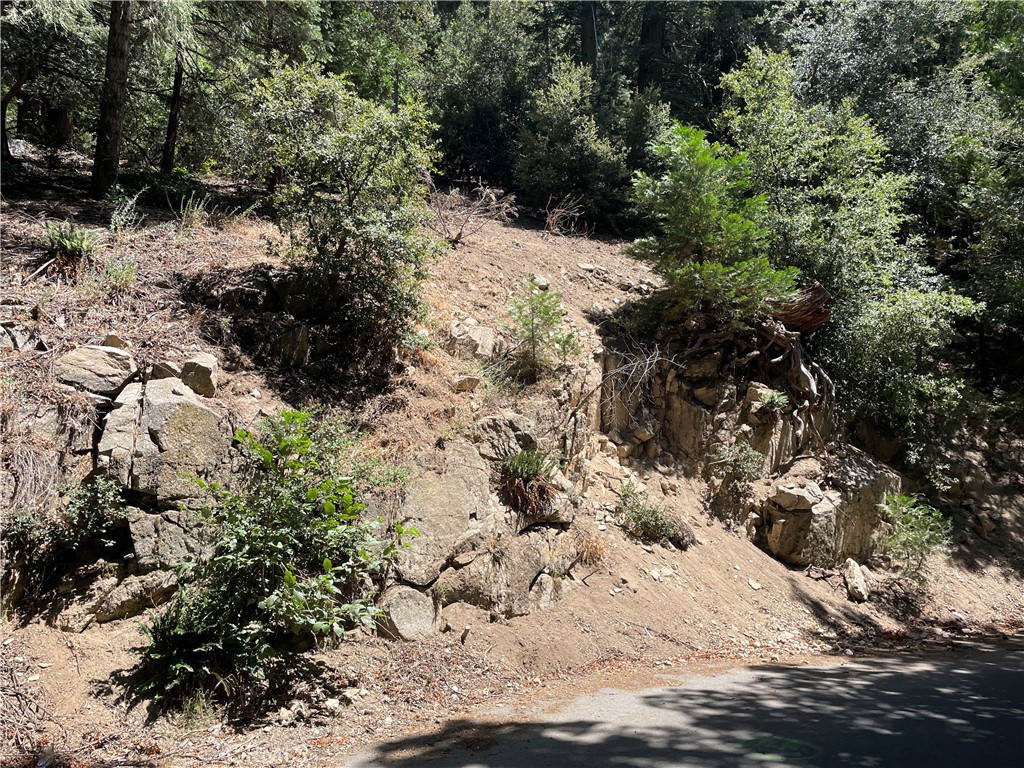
{"x":639,"y":610}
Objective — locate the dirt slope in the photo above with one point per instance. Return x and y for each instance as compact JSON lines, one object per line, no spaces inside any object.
{"x":639,"y":608}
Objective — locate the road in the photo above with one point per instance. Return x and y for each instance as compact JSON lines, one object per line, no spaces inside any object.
{"x":901,"y":712}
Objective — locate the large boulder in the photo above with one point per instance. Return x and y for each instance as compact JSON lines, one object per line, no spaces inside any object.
{"x":469,"y":339}
{"x":450,"y":506}
{"x":101,"y":370}
{"x":407,"y":614}
{"x":164,"y":540}
{"x":503,"y":435}
{"x":178,"y":440}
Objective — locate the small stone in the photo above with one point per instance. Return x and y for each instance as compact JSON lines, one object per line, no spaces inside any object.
{"x":110,"y":340}
{"x":466,"y":383}
{"x":655,"y":574}
{"x":755,"y":585}
{"x":333,"y":706}
{"x":542,"y":282}
{"x":587,"y":267}
{"x":199,"y":372}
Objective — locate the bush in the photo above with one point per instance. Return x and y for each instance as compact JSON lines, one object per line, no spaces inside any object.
{"x":350,"y":192}
{"x":918,"y":530}
{"x":537,"y":331}
{"x":651,"y":522}
{"x":291,"y":560}
{"x":72,"y":247}
{"x":526,"y":482}
{"x":740,"y":461}
{"x":562,"y":155}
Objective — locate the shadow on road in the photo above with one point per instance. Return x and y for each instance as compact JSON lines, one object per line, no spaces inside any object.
{"x":936,"y":712}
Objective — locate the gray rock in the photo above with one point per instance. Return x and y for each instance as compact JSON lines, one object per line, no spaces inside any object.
{"x":469,"y":339}
{"x":856,"y":584}
{"x":702,"y":368}
{"x":101,"y":370}
{"x":117,"y":443}
{"x":804,"y":536}
{"x":793,"y":496}
{"x":199,"y":372}
{"x":178,"y":440}
{"x":504,"y":434}
{"x":167,"y":369}
{"x":450,"y":507}
{"x":164,"y":540}
{"x":134,"y":595}
{"x":407,"y":614}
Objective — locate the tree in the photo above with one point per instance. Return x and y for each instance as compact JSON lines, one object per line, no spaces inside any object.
{"x":112,"y":100}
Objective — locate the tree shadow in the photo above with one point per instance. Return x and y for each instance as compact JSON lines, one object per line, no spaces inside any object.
{"x":902,"y":712}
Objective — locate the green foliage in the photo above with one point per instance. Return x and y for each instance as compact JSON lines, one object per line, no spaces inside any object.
{"x":737,"y":294}
{"x":124,"y":217}
{"x":291,"y":560}
{"x":918,"y":531}
{"x":526,"y":482}
{"x":563,"y":154}
{"x":113,"y":279}
{"x":739,"y":461}
{"x":90,"y":513}
{"x":646,"y":521}
{"x":774,"y":400}
{"x":73,"y":247}
{"x":351,"y":193}
{"x":536,"y":326}
{"x":700,"y":202}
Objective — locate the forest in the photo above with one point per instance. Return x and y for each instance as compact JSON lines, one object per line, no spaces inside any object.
{"x":754,"y":149}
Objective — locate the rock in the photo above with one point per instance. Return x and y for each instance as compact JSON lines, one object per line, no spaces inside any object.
{"x":587,"y":267}
{"x":503,"y":435}
{"x":707,"y":396}
{"x":983,"y":525}
{"x":199,"y":372}
{"x":164,"y":540}
{"x":135,"y":594}
{"x":804,"y":536}
{"x":117,"y":443}
{"x":407,"y":614}
{"x":166,"y":369}
{"x":856,"y":584}
{"x":111,"y":340}
{"x":466,"y":383}
{"x":791,"y":496}
{"x":451,"y":507}
{"x":101,"y":370}
{"x":469,"y":339}
{"x":178,"y":439}
{"x":542,"y":282}
{"x":292,"y":348}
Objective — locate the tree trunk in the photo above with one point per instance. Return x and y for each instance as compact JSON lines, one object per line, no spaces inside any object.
{"x":12,"y":93}
{"x":112,"y":100}
{"x":588,"y":34}
{"x":59,"y":126}
{"x":652,"y":46}
{"x":170,"y":143}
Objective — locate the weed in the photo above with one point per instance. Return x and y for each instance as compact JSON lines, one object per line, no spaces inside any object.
{"x":591,"y":549}
{"x":651,"y":522}
{"x":115,"y":278}
{"x":774,"y":401}
{"x":918,"y":530}
{"x":739,"y":461}
{"x":192,"y":212}
{"x":72,"y":247}
{"x":125,"y":217}
{"x":526,"y":483}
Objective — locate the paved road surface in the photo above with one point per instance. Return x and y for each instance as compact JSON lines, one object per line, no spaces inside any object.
{"x":964,"y":710}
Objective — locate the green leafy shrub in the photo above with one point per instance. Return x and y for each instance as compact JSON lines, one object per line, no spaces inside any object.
{"x":291,"y":560}
{"x":774,"y":401}
{"x":91,"y":512}
{"x":736,"y":294}
{"x":563,"y":154}
{"x":918,"y":530}
{"x":73,"y":247}
{"x":350,"y":193}
{"x":651,"y":522}
{"x":536,"y":326}
{"x":739,"y":461}
{"x":526,"y":482}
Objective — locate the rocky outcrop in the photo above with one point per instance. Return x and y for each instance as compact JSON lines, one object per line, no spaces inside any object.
{"x":468,"y":338}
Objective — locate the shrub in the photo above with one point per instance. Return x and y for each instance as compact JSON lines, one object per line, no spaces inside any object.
{"x":536,"y":327}
{"x":124,"y":217}
{"x":774,"y":401}
{"x":918,"y":530}
{"x":113,"y":279}
{"x":736,"y":294}
{"x":740,"y":461}
{"x":350,"y":194}
{"x":71,"y":246}
{"x":291,"y":560}
{"x":563,"y":154}
{"x":526,"y":482}
{"x":651,"y":522}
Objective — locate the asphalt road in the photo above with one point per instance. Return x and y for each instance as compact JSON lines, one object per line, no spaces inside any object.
{"x":902,"y":712}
